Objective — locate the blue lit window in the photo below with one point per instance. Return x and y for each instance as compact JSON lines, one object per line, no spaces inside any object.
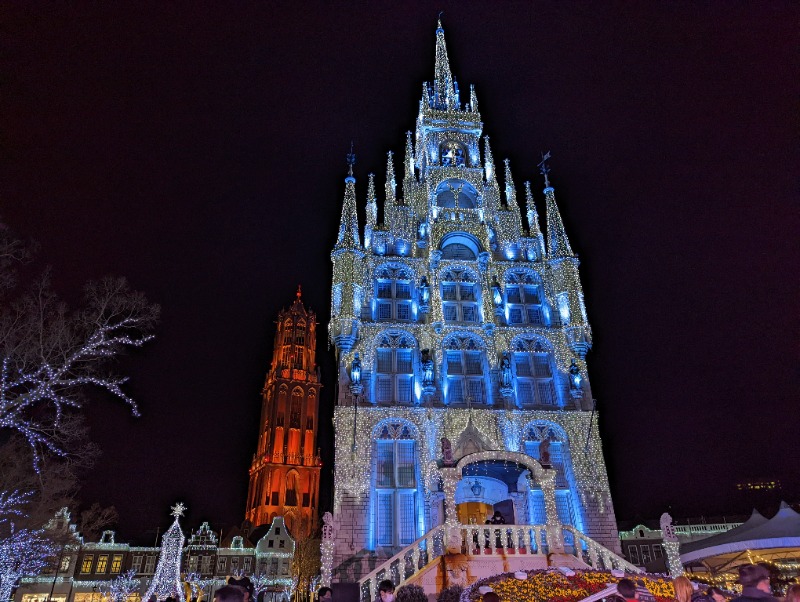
{"x":534,"y":379}
{"x":395,"y":487}
{"x":464,"y":377}
{"x":393,"y":293}
{"x":460,"y":299}
{"x":394,"y":375}
{"x":524,"y":304}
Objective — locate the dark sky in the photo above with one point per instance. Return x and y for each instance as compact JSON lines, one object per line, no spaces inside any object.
{"x":199,"y":151}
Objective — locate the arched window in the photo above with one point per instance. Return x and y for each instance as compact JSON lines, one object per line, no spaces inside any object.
{"x":464,"y":371}
{"x":524,"y":299}
{"x":533,"y":365}
{"x":394,"y":372}
{"x":567,"y":504}
{"x":452,"y":154}
{"x":300,"y":334}
{"x":454,"y":193}
{"x":294,"y":414}
{"x":393,"y":287}
{"x":291,"y":489}
{"x":395,"y":485}
{"x":460,"y":293}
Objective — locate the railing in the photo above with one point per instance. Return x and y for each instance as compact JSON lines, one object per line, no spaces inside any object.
{"x":405,"y":564}
{"x":611,"y":590}
{"x":515,"y":539}
{"x":594,"y":554}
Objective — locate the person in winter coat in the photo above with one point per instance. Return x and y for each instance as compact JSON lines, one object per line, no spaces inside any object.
{"x":754,"y":580}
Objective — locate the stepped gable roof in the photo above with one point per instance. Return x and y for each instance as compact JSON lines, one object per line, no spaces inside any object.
{"x":758,"y":533}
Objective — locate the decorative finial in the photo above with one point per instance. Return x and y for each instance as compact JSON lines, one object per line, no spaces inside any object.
{"x":440,"y":28}
{"x":299,"y":292}
{"x":351,"y":160}
{"x":178,"y":509}
{"x":544,"y":169}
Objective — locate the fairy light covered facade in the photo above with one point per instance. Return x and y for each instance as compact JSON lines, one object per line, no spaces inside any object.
{"x":461,"y":337}
{"x":284,"y":475}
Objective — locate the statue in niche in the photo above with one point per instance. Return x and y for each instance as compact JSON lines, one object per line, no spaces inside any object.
{"x":447,"y":452}
{"x":497,"y":292}
{"x":355,"y":370}
{"x":575,"y":377}
{"x":544,"y":452}
{"x":424,"y":290}
{"x":427,"y":368}
{"x":505,"y":371}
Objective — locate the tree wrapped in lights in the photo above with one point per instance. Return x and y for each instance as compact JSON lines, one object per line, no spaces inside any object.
{"x":122,"y":587}
{"x":167,"y":579}
{"x":23,"y":552}
{"x":50,"y":356}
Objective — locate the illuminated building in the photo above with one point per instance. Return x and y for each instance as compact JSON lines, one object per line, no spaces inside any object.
{"x":461,"y":338}
{"x":284,"y":475}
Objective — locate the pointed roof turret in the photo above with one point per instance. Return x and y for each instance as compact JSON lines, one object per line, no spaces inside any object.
{"x":557,"y":241}
{"x":372,"y":202}
{"x":443,"y":89}
{"x":409,"y":162}
{"x":533,"y":216}
{"x":473,"y":99}
{"x":488,"y":161}
{"x":348,"y":227}
{"x":511,"y":192}
{"x":391,"y":184}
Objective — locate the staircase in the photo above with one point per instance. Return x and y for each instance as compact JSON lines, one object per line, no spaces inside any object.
{"x":465,"y":553}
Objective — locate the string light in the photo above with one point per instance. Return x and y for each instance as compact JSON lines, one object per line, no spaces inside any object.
{"x":167,"y":578}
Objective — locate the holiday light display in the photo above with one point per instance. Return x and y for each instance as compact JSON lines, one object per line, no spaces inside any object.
{"x":425,"y":304}
{"x":119,"y":589}
{"x":167,"y":578}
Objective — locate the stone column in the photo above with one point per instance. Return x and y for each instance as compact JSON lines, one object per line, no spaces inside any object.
{"x":450,"y":479}
{"x":555,"y":542}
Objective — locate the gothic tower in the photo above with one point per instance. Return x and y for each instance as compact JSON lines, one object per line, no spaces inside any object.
{"x":284,"y":475}
{"x":461,"y":338}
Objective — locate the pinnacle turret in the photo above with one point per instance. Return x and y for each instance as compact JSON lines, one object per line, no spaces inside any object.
{"x":511,"y":192}
{"x":348,"y":237}
{"x":372,"y":202}
{"x":557,"y":241}
{"x":409,"y":162}
{"x":533,"y":220}
{"x":391,"y":184}
{"x":444,"y":90}
{"x":488,"y":161}
{"x":473,"y":99}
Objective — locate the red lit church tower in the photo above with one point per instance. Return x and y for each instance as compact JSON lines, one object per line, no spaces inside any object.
{"x":284,"y":476}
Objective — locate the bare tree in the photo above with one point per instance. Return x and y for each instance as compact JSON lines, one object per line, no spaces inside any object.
{"x":305,"y":566}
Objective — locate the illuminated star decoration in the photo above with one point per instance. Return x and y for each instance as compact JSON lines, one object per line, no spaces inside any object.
{"x":178,"y":509}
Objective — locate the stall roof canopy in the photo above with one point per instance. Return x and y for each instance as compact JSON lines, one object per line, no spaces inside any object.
{"x":757,"y":533}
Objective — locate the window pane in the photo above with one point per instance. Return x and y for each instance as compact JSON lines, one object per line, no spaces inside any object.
{"x":404,"y":389}
{"x":406,"y":507}
{"x":404,"y":361}
{"x":403,"y":311}
{"x":522,"y":362}
{"x":455,"y":391}
{"x":402,"y":290}
{"x":525,"y":392}
{"x":384,"y":290}
{"x":450,"y":313}
{"x":467,"y":292}
{"x":449,"y":292}
{"x":454,"y":362}
{"x":541,"y":365}
{"x":534,"y":315}
{"x":405,"y":464}
{"x":384,"y":311}
{"x":475,"y":390}
{"x":474,"y":362}
{"x":385,"y":476}
{"x":532,"y":295}
{"x":545,"y":390}
{"x":385,"y":518}
{"x":384,"y":388}
{"x":470,"y":313}
{"x":512,"y":294}
{"x":385,"y":361}
{"x":515,"y":315}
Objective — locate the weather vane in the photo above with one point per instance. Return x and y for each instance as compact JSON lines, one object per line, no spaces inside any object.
{"x":544,"y":169}
{"x":178,"y":509}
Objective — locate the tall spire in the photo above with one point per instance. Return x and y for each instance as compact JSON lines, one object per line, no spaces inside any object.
{"x":557,"y":241}
{"x":444,"y":93}
{"x":473,"y":99}
{"x":391,"y":184}
{"x":511,"y":193}
{"x":409,"y":162}
{"x":348,"y":228}
{"x":488,"y":161}
{"x":533,"y":221}
{"x":372,"y":202}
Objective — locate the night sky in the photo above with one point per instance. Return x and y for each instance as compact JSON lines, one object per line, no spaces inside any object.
{"x":200,"y":151}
